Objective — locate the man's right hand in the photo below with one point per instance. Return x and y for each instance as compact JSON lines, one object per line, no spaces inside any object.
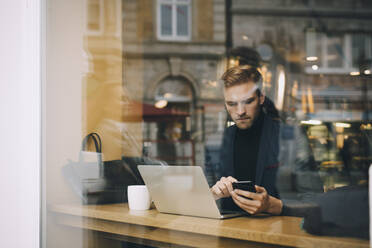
{"x":223,"y":187}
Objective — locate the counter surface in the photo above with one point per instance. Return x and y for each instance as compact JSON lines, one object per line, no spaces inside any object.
{"x":152,"y":227}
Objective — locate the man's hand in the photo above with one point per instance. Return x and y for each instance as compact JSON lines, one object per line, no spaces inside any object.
{"x":223,"y":187}
{"x":258,"y":202}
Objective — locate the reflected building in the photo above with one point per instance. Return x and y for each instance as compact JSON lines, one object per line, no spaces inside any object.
{"x":173,"y":54}
{"x":102,"y":93}
{"x":316,"y":64}
{"x":151,"y":86}
{"x":152,"y":89}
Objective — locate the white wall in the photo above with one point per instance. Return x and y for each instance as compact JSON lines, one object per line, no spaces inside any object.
{"x":20,"y":122}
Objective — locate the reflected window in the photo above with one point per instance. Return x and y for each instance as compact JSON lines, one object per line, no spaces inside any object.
{"x":174,"y":19}
{"x":174,"y":89}
{"x":334,"y":51}
{"x":167,"y":130}
{"x":361,"y":48}
{"x":94,"y":17}
{"x":337,"y":53}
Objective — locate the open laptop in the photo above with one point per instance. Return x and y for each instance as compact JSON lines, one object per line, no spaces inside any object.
{"x":181,"y":190}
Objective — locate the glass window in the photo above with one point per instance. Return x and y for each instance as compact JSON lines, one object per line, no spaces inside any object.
{"x":166,"y":19}
{"x":182,"y":20}
{"x":174,"y":19}
{"x":273,"y":92}
{"x":336,"y":53}
{"x":361,"y":48}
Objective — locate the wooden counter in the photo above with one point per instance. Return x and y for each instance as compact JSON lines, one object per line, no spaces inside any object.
{"x":116,"y":221}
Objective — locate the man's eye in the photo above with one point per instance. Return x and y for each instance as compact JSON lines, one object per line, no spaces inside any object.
{"x":231,"y":104}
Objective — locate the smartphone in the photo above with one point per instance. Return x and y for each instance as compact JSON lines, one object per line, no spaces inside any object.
{"x":244,"y":185}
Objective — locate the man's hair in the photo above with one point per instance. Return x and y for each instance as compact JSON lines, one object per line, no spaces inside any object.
{"x":240,"y":74}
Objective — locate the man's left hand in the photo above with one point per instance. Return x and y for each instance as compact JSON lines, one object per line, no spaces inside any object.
{"x":259,"y":202}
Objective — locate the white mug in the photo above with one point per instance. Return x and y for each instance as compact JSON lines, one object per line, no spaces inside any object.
{"x":138,"y":197}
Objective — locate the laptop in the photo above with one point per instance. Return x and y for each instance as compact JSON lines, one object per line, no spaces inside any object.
{"x":182,"y":190}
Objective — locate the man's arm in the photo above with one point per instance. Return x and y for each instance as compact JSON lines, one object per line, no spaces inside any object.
{"x":260,"y":202}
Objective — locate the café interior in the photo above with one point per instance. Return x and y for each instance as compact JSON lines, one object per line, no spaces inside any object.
{"x":145,"y":76}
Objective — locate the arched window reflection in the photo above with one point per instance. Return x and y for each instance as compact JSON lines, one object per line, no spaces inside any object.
{"x":167,"y":132}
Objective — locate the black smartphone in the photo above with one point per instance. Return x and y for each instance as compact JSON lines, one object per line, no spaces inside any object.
{"x":244,"y":185}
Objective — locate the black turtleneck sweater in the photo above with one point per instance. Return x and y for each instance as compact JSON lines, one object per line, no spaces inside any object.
{"x":246,"y":147}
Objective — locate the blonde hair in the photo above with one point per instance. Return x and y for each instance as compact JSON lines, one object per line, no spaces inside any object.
{"x":240,"y":74}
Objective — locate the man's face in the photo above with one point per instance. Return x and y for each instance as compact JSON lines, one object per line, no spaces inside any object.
{"x":243,"y":104}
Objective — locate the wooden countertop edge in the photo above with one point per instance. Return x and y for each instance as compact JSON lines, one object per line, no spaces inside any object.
{"x":227,"y":232}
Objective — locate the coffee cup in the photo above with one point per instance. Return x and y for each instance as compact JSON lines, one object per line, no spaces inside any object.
{"x":138,"y":197}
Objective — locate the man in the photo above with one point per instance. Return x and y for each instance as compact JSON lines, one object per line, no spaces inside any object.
{"x":250,"y":147}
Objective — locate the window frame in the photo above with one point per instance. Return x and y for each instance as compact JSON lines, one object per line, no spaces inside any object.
{"x":173,"y":36}
{"x":23,"y":63}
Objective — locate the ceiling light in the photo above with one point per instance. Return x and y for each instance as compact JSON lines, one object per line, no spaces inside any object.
{"x":340,"y":124}
{"x":314,"y":67}
{"x":355,"y":73}
{"x":161,"y":103}
{"x":311,"y":122}
{"x":312,"y":58}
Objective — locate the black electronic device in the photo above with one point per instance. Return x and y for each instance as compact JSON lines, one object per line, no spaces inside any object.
{"x":244,"y":185}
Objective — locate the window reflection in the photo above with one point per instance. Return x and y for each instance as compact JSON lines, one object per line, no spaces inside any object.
{"x":145,"y":76}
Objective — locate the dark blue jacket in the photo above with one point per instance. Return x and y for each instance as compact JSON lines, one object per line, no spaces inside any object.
{"x":267,"y":160}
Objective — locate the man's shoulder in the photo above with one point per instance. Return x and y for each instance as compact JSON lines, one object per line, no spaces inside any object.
{"x":271,"y":120}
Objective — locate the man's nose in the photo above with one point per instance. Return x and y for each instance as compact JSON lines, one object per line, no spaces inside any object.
{"x":240,"y":109}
